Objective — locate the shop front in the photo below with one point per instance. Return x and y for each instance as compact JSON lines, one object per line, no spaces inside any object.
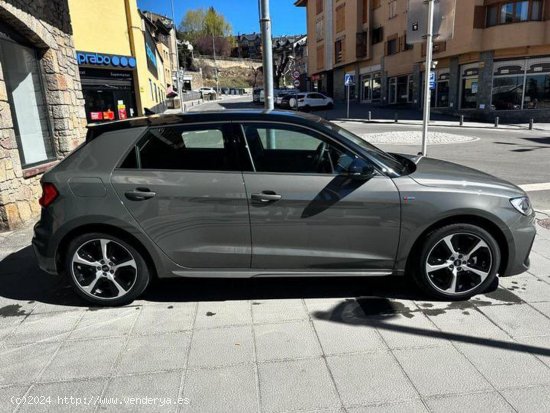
{"x":108,"y":86}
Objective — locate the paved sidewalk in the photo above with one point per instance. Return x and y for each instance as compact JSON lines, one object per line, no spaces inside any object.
{"x":310,"y":345}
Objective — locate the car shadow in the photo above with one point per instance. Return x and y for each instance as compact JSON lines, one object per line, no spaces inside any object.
{"x":541,"y":143}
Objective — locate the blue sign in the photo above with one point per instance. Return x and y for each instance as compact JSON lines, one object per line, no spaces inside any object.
{"x":100,"y":59}
{"x":348,"y":79}
{"x":432,"y":80}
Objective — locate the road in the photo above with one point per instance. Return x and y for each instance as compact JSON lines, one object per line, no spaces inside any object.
{"x":519,"y":156}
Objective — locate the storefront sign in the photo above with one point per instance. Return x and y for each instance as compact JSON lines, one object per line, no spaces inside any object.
{"x":106,"y":60}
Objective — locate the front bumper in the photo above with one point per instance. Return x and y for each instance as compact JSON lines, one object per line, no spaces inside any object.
{"x":523,"y":236}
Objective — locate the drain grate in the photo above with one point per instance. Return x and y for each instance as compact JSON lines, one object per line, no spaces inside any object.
{"x":545,"y":223}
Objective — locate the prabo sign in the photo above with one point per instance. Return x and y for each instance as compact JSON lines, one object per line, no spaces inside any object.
{"x":99,"y":59}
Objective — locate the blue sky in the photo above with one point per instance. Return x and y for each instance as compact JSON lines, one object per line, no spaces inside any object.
{"x":242,"y":14}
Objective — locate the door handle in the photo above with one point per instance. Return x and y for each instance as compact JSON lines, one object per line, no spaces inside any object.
{"x":140,"y":194}
{"x":266,"y":196}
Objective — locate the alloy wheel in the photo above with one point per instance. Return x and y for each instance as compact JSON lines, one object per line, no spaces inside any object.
{"x":458,"y":263}
{"x":104,"y":269}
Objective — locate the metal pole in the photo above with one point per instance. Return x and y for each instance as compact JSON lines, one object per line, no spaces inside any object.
{"x":215,"y":65}
{"x":427,"y":70}
{"x":347,"y":105}
{"x":265,"y":24}
{"x":178,"y":80}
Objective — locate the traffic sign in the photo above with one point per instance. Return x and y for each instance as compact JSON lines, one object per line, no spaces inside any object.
{"x":296,"y":83}
{"x":432,"y":80}
{"x":296,"y":74}
{"x":348,"y":79}
{"x":417,"y":20}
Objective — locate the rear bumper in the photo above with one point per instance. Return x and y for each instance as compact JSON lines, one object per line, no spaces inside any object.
{"x":46,"y":261}
{"x":520,"y":246}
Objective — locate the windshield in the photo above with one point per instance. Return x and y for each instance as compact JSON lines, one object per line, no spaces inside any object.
{"x":384,"y":159}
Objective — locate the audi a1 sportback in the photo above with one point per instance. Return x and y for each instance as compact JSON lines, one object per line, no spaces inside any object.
{"x":270,"y":194}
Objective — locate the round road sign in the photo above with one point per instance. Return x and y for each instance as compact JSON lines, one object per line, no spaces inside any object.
{"x":296,"y":74}
{"x":296,"y":83}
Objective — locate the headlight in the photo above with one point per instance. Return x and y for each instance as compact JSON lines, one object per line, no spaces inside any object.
{"x":522,"y":204}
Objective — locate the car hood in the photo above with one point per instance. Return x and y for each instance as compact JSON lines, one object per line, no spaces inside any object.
{"x":442,"y":174}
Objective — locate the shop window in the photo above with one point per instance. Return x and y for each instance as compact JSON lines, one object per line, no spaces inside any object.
{"x":376,"y":88}
{"x":377,"y":35}
{"x":507,"y":92}
{"x":410,"y":97}
{"x":537,"y":92}
{"x":470,"y":87}
{"x":25,"y":90}
{"x":392,"y":88}
{"x":442,"y":99}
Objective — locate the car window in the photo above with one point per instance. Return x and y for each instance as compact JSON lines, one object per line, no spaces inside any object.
{"x":185,"y":148}
{"x":291,"y":149}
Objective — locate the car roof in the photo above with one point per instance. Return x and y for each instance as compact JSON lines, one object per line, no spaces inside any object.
{"x":96,"y":129}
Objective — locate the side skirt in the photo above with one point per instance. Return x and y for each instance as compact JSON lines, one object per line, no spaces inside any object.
{"x":266,"y":273}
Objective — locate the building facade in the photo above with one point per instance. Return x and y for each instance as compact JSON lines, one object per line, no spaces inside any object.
{"x":120,"y":62}
{"x":497,"y":64}
{"x":41,"y":104}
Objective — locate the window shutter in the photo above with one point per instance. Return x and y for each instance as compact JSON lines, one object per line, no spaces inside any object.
{"x":386,"y":48}
{"x":479,"y":17}
{"x":402,"y":43}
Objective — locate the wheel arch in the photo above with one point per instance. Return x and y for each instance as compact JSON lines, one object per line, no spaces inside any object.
{"x":107,"y":229}
{"x":483,"y":222}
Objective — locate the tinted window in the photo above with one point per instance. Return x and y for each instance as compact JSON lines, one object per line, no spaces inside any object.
{"x":289,"y":149}
{"x":186,"y":148}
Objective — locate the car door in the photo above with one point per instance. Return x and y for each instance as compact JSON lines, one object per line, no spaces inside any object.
{"x":317,"y":100}
{"x":184,"y":186}
{"x":306,"y":213}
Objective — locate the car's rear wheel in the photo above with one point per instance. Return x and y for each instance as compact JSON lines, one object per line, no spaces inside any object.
{"x":105,"y":269}
{"x":457,"y":262}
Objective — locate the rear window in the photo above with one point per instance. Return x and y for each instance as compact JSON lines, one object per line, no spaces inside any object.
{"x":184,"y":148}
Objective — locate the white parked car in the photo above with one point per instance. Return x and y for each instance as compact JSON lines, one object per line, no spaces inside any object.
{"x":207,"y":90}
{"x":311,"y":100}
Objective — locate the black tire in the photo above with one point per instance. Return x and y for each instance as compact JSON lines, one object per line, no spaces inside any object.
{"x":464,"y":286}
{"x":330,"y":106}
{"x":141,"y":276}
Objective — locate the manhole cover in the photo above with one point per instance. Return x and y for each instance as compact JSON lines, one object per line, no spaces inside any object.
{"x":545,"y":223}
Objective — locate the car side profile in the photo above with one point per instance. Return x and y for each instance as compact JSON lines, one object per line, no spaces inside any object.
{"x":252,"y":193}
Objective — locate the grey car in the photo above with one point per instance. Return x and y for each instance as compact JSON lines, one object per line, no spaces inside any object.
{"x":270,"y":194}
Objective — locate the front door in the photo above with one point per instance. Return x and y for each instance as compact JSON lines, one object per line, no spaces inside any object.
{"x":184,"y":186}
{"x":306,"y":214}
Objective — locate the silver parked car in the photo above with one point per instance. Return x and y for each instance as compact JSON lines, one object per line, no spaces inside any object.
{"x":270,"y":194}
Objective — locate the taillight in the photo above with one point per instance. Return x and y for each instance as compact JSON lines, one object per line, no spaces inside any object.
{"x":49,"y":194}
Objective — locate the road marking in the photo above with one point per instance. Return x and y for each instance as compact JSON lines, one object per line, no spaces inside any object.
{"x":536,"y":187}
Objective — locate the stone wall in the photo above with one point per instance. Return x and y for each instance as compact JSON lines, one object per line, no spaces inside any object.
{"x":45,"y":24}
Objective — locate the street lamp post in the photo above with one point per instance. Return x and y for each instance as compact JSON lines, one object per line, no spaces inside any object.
{"x":265,"y":24}
{"x":427,"y":73}
{"x":178,"y":80}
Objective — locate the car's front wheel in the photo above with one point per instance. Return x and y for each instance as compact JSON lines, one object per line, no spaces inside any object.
{"x":457,"y":262}
{"x":105,"y":269}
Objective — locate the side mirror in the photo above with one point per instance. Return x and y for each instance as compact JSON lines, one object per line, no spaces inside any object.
{"x":360,"y":169}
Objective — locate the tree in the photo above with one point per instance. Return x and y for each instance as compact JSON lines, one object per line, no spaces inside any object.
{"x":222,"y":44}
{"x":193,"y":24}
{"x":204,"y":22}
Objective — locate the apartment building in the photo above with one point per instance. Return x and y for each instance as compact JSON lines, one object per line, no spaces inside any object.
{"x":498,"y":62}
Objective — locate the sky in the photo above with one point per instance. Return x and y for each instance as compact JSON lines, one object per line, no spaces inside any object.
{"x":242,"y":14}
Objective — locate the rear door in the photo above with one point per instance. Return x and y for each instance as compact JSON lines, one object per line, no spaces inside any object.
{"x":184,"y":186}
